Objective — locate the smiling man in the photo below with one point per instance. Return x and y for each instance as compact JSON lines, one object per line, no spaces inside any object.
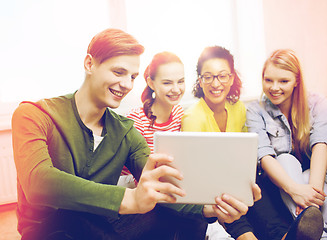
{"x":69,"y":152}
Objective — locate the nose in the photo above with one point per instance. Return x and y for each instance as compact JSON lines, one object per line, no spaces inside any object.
{"x":215,"y":82}
{"x":175,"y":88}
{"x":275,"y":85}
{"x":127,"y":83}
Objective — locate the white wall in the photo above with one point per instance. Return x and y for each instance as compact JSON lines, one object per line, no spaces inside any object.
{"x":297,"y":24}
{"x":302,"y":26}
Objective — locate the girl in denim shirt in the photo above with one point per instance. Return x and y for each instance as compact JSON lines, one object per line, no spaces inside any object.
{"x":292,"y":130}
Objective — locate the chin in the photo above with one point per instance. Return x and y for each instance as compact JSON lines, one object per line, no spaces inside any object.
{"x":275,"y":101}
{"x":113,"y":105}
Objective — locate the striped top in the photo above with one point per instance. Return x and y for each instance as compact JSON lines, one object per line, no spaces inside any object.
{"x":143,"y":124}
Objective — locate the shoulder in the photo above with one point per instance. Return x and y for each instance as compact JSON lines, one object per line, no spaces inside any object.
{"x":315,"y":99}
{"x":28,"y":110}
{"x":196,"y":108}
{"x":31,"y":116}
{"x":256,"y":106}
{"x":239,"y":105}
{"x":196,"y":116}
{"x":46,"y":106}
{"x":117,"y":117}
{"x":177,"y":111}
{"x":135,"y":113}
{"x":236,"y":109}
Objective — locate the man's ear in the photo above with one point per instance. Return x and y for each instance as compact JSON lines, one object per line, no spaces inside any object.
{"x":88,"y":63}
{"x":149,"y":82}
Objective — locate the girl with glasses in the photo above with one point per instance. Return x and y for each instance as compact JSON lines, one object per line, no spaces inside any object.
{"x":292,"y":129}
{"x":219,"y":110}
{"x":161,"y":112}
{"x":218,"y":86}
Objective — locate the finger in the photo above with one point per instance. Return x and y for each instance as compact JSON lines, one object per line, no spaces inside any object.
{"x":256,"y":192}
{"x":157,"y":159}
{"x":165,"y":197}
{"x":319,"y":196}
{"x":222,"y":215}
{"x":157,"y":196}
{"x":169,"y":188}
{"x":231,"y":205}
{"x":319,"y":191}
{"x":235,"y":204}
{"x":298,"y":210}
{"x":317,"y":202}
{"x":165,"y":171}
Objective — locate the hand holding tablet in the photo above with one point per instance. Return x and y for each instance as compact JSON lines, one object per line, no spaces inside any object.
{"x":212,"y":163}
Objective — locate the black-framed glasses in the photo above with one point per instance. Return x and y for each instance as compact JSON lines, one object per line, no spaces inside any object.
{"x":223,"y":78}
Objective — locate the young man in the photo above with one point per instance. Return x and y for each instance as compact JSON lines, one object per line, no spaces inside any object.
{"x":70,"y":150}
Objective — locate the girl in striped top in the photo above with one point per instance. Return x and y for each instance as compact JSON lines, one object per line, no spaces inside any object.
{"x":165,"y":88}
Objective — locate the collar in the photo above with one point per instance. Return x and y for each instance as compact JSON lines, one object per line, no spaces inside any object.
{"x":272,"y":109}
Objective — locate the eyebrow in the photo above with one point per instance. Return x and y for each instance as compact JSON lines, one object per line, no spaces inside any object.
{"x":118,"y":69}
{"x":123,"y":70}
{"x":170,"y":80}
{"x":279,"y":79}
{"x":219,"y":72}
{"x":135,"y":74}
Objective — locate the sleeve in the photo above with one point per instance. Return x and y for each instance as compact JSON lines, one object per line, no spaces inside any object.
{"x":44,"y":185}
{"x":318,"y":133}
{"x":255,"y":122}
{"x":135,"y":115}
{"x":139,"y":153}
{"x":243,"y":117}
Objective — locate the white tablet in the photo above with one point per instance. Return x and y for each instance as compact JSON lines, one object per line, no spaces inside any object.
{"x":212,"y":163}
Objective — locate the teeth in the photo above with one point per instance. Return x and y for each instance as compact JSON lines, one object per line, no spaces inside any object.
{"x":119,"y":94}
{"x":275,"y":94}
{"x":173,"y":96}
{"x":217,"y":92}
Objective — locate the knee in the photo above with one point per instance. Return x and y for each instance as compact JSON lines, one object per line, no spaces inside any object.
{"x":287,"y":158}
{"x":289,"y":162}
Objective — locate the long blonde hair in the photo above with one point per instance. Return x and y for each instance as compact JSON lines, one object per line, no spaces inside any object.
{"x":300,"y":119}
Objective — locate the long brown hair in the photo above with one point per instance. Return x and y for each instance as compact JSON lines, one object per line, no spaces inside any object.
{"x":150,"y":72}
{"x":300,"y":119}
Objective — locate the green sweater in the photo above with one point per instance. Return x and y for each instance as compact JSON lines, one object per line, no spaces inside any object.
{"x":57,"y":167}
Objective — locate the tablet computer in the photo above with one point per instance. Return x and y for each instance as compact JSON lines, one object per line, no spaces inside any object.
{"x":212,"y":163}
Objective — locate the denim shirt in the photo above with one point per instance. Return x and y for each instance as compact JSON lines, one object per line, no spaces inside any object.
{"x":275,"y":136}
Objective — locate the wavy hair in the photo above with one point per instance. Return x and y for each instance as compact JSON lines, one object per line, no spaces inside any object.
{"x":300,"y":119}
{"x":151,"y":72}
{"x":218,"y":52}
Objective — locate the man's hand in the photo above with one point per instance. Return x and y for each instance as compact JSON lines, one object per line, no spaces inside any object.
{"x":150,"y":189}
{"x":229,"y":209}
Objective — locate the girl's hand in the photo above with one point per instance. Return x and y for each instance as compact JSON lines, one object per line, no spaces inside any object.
{"x":305,"y":195}
{"x":229,"y":209}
